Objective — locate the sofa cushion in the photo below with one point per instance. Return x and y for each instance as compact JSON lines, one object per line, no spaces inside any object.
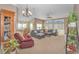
{"x":40,"y":34}
{"x":35,"y":31}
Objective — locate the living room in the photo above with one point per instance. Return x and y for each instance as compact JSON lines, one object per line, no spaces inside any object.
{"x":41,"y":28}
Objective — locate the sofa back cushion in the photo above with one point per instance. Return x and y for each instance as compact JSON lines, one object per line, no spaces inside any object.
{"x":35,"y":31}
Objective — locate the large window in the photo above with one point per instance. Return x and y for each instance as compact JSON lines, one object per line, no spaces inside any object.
{"x":59,"y":25}
{"x":55,"y":24}
{"x":19,"y":26}
{"x":49,"y":24}
{"x":22,"y":26}
{"x":31,"y":26}
{"x":39,"y":26}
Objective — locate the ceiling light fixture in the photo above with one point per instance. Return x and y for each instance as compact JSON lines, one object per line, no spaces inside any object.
{"x":26,"y":11}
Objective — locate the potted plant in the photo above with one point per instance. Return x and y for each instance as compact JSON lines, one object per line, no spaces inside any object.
{"x":72,"y":33}
{"x":11,"y":47}
{"x":72,"y":17}
{"x":71,"y":44}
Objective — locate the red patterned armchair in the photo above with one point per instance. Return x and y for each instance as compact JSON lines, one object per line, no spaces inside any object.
{"x":25,"y":41}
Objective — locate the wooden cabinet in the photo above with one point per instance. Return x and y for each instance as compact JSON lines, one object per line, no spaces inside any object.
{"x":6,"y":24}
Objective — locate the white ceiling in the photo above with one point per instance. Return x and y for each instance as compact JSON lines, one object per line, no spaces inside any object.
{"x":45,"y":10}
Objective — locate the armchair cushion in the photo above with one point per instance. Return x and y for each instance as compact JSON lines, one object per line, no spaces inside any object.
{"x":27,"y":37}
{"x":25,"y":41}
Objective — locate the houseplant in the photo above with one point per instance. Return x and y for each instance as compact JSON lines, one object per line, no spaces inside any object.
{"x":72,"y":33}
{"x":11,"y":46}
{"x":72,"y":17}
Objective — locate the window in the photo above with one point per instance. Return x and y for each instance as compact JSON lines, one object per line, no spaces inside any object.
{"x":19,"y":26}
{"x":59,"y":25}
{"x":50,"y":26}
{"x":22,"y":26}
{"x":31,"y":26}
{"x":55,"y":24}
{"x":39,"y":26}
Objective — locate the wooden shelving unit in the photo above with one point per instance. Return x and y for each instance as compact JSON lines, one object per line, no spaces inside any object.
{"x":6,"y":24}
